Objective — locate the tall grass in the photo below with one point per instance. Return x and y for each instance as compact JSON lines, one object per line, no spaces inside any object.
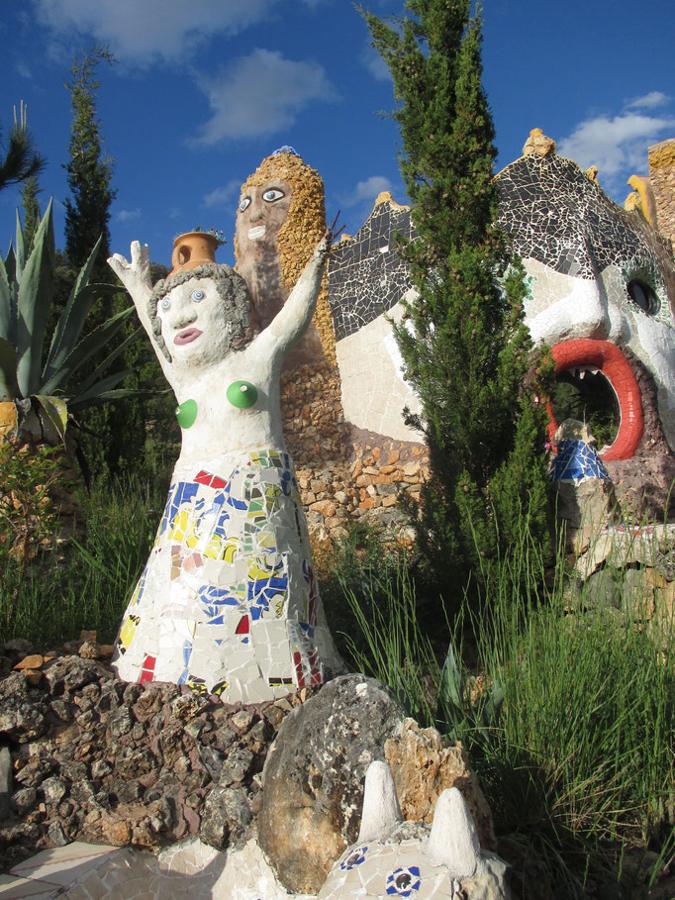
{"x":576,"y":756}
{"x":86,"y":582}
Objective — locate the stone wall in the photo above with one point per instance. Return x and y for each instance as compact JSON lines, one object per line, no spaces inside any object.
{"x":662,"y":181}
{"x":345,"y":474}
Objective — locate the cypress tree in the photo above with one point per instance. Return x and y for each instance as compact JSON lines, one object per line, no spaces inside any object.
{"x":31,"y":209}
{"x":89,"y":173}
{"x":469,"y":351}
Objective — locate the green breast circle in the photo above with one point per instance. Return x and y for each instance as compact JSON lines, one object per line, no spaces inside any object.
{"x":186,"y":413}
{"x":242,"y":394}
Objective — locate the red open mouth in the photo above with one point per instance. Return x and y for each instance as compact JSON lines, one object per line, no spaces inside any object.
{"x":187,"y":336}
{"x":607,"y":358}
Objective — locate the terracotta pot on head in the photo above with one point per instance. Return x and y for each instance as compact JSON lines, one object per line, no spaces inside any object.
{"x":192,"y":249}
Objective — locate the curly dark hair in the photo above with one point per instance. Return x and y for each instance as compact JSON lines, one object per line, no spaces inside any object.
{"x":233,"y":291}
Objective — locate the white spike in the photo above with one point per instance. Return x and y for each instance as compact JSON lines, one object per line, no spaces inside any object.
{"x":381,"y":812}
{"x":453,"y":841}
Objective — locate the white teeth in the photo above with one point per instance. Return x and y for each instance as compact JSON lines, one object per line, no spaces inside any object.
{"x":582,"y":373}
{"x":256,"y":233}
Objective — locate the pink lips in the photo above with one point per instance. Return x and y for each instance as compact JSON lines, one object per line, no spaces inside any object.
{"x":187,"y":336}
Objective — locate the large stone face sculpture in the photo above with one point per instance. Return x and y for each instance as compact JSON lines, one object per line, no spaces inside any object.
{"x":280,"y":217}
{"x":601,"y":295}
{"x":228,"y":602}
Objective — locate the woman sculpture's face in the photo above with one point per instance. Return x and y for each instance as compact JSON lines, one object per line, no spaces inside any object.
{"x":261,"y":213}
{"x":194,"y":324}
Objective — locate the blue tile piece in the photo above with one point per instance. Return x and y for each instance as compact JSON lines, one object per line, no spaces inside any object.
{"x":576,"y":461}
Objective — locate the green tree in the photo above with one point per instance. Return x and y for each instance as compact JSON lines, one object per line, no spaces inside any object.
{"x":31,"y":209}
{"x":21,"y":161}
{"x":468,"y":353}
{"x":89,"y":172}
{"x":111,"y":437}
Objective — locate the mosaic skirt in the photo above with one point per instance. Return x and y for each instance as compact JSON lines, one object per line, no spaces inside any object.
{"x":228,"y":603}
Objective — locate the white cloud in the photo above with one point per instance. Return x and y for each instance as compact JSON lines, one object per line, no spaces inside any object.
{"x":649,"y":101}
{"x":617,"y":145}
{"x":144,"y":31}
{"x":127,"y":215}
{"x":377,"y":67}
{"x":222,"y":196}
{"x":368,"y":190}
{"x":260,"y":94}
{"x":23,"y":70}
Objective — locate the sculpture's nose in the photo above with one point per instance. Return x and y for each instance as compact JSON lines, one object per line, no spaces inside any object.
{"x":256,"y":210}
{"x":182,"y":314}
{"x":581,"y":313}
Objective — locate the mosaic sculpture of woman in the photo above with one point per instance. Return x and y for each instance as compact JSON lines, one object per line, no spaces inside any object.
{"x":227,"y":603}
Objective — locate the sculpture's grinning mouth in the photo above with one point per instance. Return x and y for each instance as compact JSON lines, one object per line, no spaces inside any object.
{"x":187,"y":336}
{"x":255,"y":234}
{"x":585,"y":354}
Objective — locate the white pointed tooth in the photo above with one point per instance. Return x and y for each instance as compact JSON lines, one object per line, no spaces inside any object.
{"x":594,"y":371}
{"x":582,"y":373}
{"x":453,"y":841}
{"x":381,"y":812}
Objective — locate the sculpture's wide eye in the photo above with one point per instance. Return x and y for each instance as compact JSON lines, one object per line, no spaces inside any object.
{"x":198,"y":295}
{"x":165,"y":303}
{"x":272,"y":195}
{"x":244,"y":203}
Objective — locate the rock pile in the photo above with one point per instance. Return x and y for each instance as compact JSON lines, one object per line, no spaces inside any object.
{"x":95,"y":759}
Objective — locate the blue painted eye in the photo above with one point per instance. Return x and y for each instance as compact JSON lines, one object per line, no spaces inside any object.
{"x":165,"y":303}
{"x":198,"y":295}
{"x":244,"y":203}
{"x":273,"y":195}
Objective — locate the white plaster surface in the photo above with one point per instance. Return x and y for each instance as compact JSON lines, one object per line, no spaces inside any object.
{"x":374,"y":391}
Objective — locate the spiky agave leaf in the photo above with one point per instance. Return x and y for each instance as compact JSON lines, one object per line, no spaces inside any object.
{"x":105,"y":364}
{"x":8,"y":386}
{"x":35,"y":293}
{"x":103,"y":391}
{"x":55,"y":411}
{"x":87,"y":347}
{"x":7,"y":306}
{"x":71,"y":321}
{"x":19,"y":248}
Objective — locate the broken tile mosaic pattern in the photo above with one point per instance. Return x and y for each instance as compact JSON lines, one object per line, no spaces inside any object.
{"x":366,"y":273}
{"x":227,"y":603}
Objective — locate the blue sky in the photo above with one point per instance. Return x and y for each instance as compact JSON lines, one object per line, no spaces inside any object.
{"x":202,"y":91}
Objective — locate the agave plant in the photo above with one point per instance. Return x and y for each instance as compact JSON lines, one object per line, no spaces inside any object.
{"x":38,"y":398}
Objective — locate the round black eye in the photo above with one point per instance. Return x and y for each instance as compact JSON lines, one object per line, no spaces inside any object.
{"x":272,"y":195}
{"x":644,"y":296}
{"x":244,"y":203}
{"x":403,"y":881}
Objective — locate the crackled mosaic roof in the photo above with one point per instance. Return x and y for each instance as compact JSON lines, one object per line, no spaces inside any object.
{"x":366,"y":274}
{"x":563,"y":219}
